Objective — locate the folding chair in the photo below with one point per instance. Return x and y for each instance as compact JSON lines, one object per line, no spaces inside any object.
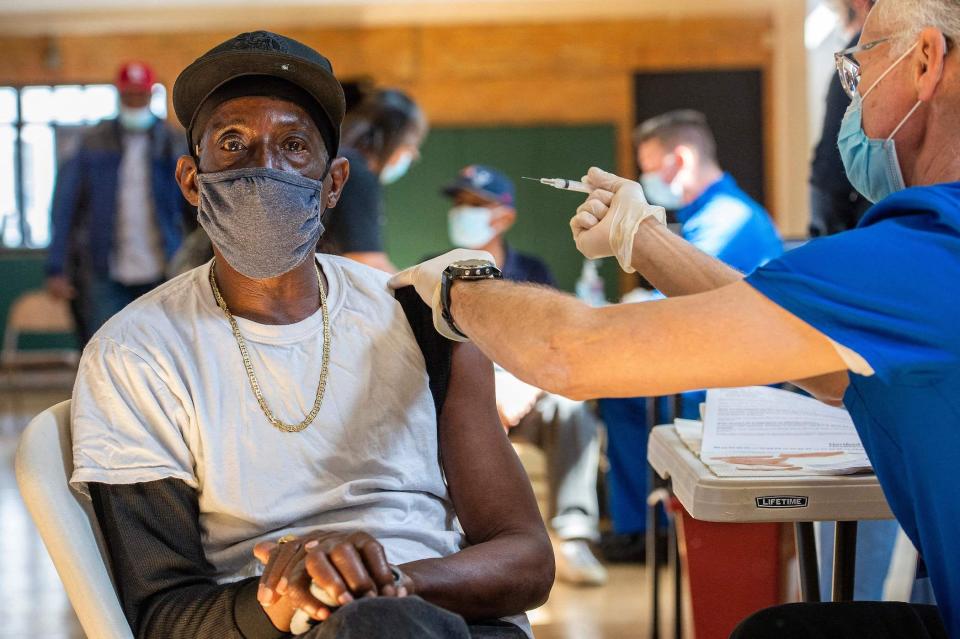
{"x":67,"y":524}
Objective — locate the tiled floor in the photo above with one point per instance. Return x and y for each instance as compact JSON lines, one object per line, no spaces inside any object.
{"x":33,"y":604}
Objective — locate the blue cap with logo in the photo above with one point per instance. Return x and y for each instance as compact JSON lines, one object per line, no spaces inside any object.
{"x":485,"y":182}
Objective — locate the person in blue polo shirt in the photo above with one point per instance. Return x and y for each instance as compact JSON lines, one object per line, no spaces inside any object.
{"x":677,"y":155}
{"x":868,"y":317}
{"x":483,"y":211}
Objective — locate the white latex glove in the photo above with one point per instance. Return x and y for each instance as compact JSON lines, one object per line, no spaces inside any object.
{"x":607,"y":222}
{"x":425,"y":278}
{"x":515,"y":398}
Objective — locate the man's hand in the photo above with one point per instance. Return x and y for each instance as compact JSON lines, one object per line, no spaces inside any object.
{"x":342,"y":566}
{"x":60,"y":287}
{"x":606,"y":223}
{"x":515,"y":398}
{"x":425,"y":278}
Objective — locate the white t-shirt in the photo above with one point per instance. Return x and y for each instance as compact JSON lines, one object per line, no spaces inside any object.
{"x":162,"y":392}
{"x":137,"y":256}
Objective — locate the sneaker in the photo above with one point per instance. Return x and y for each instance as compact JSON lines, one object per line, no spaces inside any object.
{"x":576,"y":564}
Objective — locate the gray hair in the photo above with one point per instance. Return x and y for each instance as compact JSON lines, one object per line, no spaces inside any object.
{"x":906,"y":18}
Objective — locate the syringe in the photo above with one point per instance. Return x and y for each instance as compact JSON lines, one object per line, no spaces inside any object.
{"x":564,"y":184}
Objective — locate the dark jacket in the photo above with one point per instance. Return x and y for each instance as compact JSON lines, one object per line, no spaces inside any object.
{"x":85,"y":198}
{"x":835,"y":205}
{"x":520,"y":267}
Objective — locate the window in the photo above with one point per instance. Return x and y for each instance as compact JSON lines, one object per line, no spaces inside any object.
{"x":35,"y":124}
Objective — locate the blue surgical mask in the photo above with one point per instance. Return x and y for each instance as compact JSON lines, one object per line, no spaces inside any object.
{"x":396,"y":169}
{"x":136,"y":118}
{"x":659,"y":192}
{"x":469,"y":226}
{"x":264,"y":222}
{"x":872,"y":165}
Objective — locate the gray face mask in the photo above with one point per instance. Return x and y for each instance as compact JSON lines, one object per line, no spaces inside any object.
{"x":264,"y":221}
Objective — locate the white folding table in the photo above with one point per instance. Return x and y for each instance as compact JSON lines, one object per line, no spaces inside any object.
{"x":844,"y":499}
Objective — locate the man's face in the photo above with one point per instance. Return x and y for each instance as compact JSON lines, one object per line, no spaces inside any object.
{"x":502,"y":217}
{"x":469,"y":198}
{"x":265,"y":132}
{"x":653,"y":157}
{"x":895,"y":95}
{"x":135,"y":98}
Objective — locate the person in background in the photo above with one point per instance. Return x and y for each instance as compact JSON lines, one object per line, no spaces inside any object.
{"x":835,"y":205}
{"x":677,"y":156}
{"x":566,"y":430}
{"x":381,"y":139}
{"x":117,"y":211}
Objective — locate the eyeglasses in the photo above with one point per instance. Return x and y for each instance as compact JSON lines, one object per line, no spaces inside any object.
{"x":849,"y":68}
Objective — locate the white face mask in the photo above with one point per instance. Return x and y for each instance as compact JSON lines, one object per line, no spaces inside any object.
{"x":136,"y":118}
{"x":658,"y":191}
{"x":469,"y":226}
{"x":396,"y":169}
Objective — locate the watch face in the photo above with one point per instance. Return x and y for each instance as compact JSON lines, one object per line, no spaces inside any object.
{"x":473,"y":270}
{"x":468,"y":264}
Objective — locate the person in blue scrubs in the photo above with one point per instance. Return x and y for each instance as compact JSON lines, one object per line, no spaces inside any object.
{"x":869,"y":318}
{"x":677,"y":155}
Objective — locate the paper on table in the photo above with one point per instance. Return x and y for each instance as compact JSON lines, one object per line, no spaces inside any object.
{"x":791,"y":467}
{"x":766,"y":430}
{"x":690,"y":432}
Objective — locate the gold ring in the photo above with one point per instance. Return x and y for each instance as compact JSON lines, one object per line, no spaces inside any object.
{"x":286,"y":539}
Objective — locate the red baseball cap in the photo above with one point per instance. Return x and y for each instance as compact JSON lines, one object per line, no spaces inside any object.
{"x":135,"y":76}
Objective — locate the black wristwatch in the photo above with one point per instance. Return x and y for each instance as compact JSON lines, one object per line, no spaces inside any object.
{"x":466,"y":270}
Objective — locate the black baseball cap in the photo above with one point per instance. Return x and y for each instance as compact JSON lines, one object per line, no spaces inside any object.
{"x":484,"y":181}
{"x":272,"y":57}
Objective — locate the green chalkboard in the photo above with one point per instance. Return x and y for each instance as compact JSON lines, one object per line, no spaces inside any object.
{"x":417,"y":212}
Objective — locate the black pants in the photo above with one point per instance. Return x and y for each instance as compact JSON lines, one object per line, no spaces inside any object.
{"x":407,"y":618}
{"x":848,"y":620}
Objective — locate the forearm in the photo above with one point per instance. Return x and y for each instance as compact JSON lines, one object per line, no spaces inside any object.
{"x":57,"y":251}
{"x":207,"y":611}
{"x":166,"y":586}
{"x":62,"y":211}
{"x":501,"y":577}
{"x":675,"y":266}
{"x":630,"y":350}
{"x":529,"y":330}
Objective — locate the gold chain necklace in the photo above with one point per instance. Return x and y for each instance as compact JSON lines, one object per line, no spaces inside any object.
{"x":248,"y":365}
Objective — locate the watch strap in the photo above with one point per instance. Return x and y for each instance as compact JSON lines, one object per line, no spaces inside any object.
{"x":439,"y":323}
{"x":471,"y":271}
{"x":446,"y":286}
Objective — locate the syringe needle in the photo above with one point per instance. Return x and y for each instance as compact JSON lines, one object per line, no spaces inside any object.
{"x":562,"y":183}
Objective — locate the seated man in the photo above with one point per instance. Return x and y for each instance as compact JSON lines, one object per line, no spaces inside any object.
{"x":483,"y":212}
{"x":188,"y":417}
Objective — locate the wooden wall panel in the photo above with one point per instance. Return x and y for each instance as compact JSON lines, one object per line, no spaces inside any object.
{"x":498,"y":73}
